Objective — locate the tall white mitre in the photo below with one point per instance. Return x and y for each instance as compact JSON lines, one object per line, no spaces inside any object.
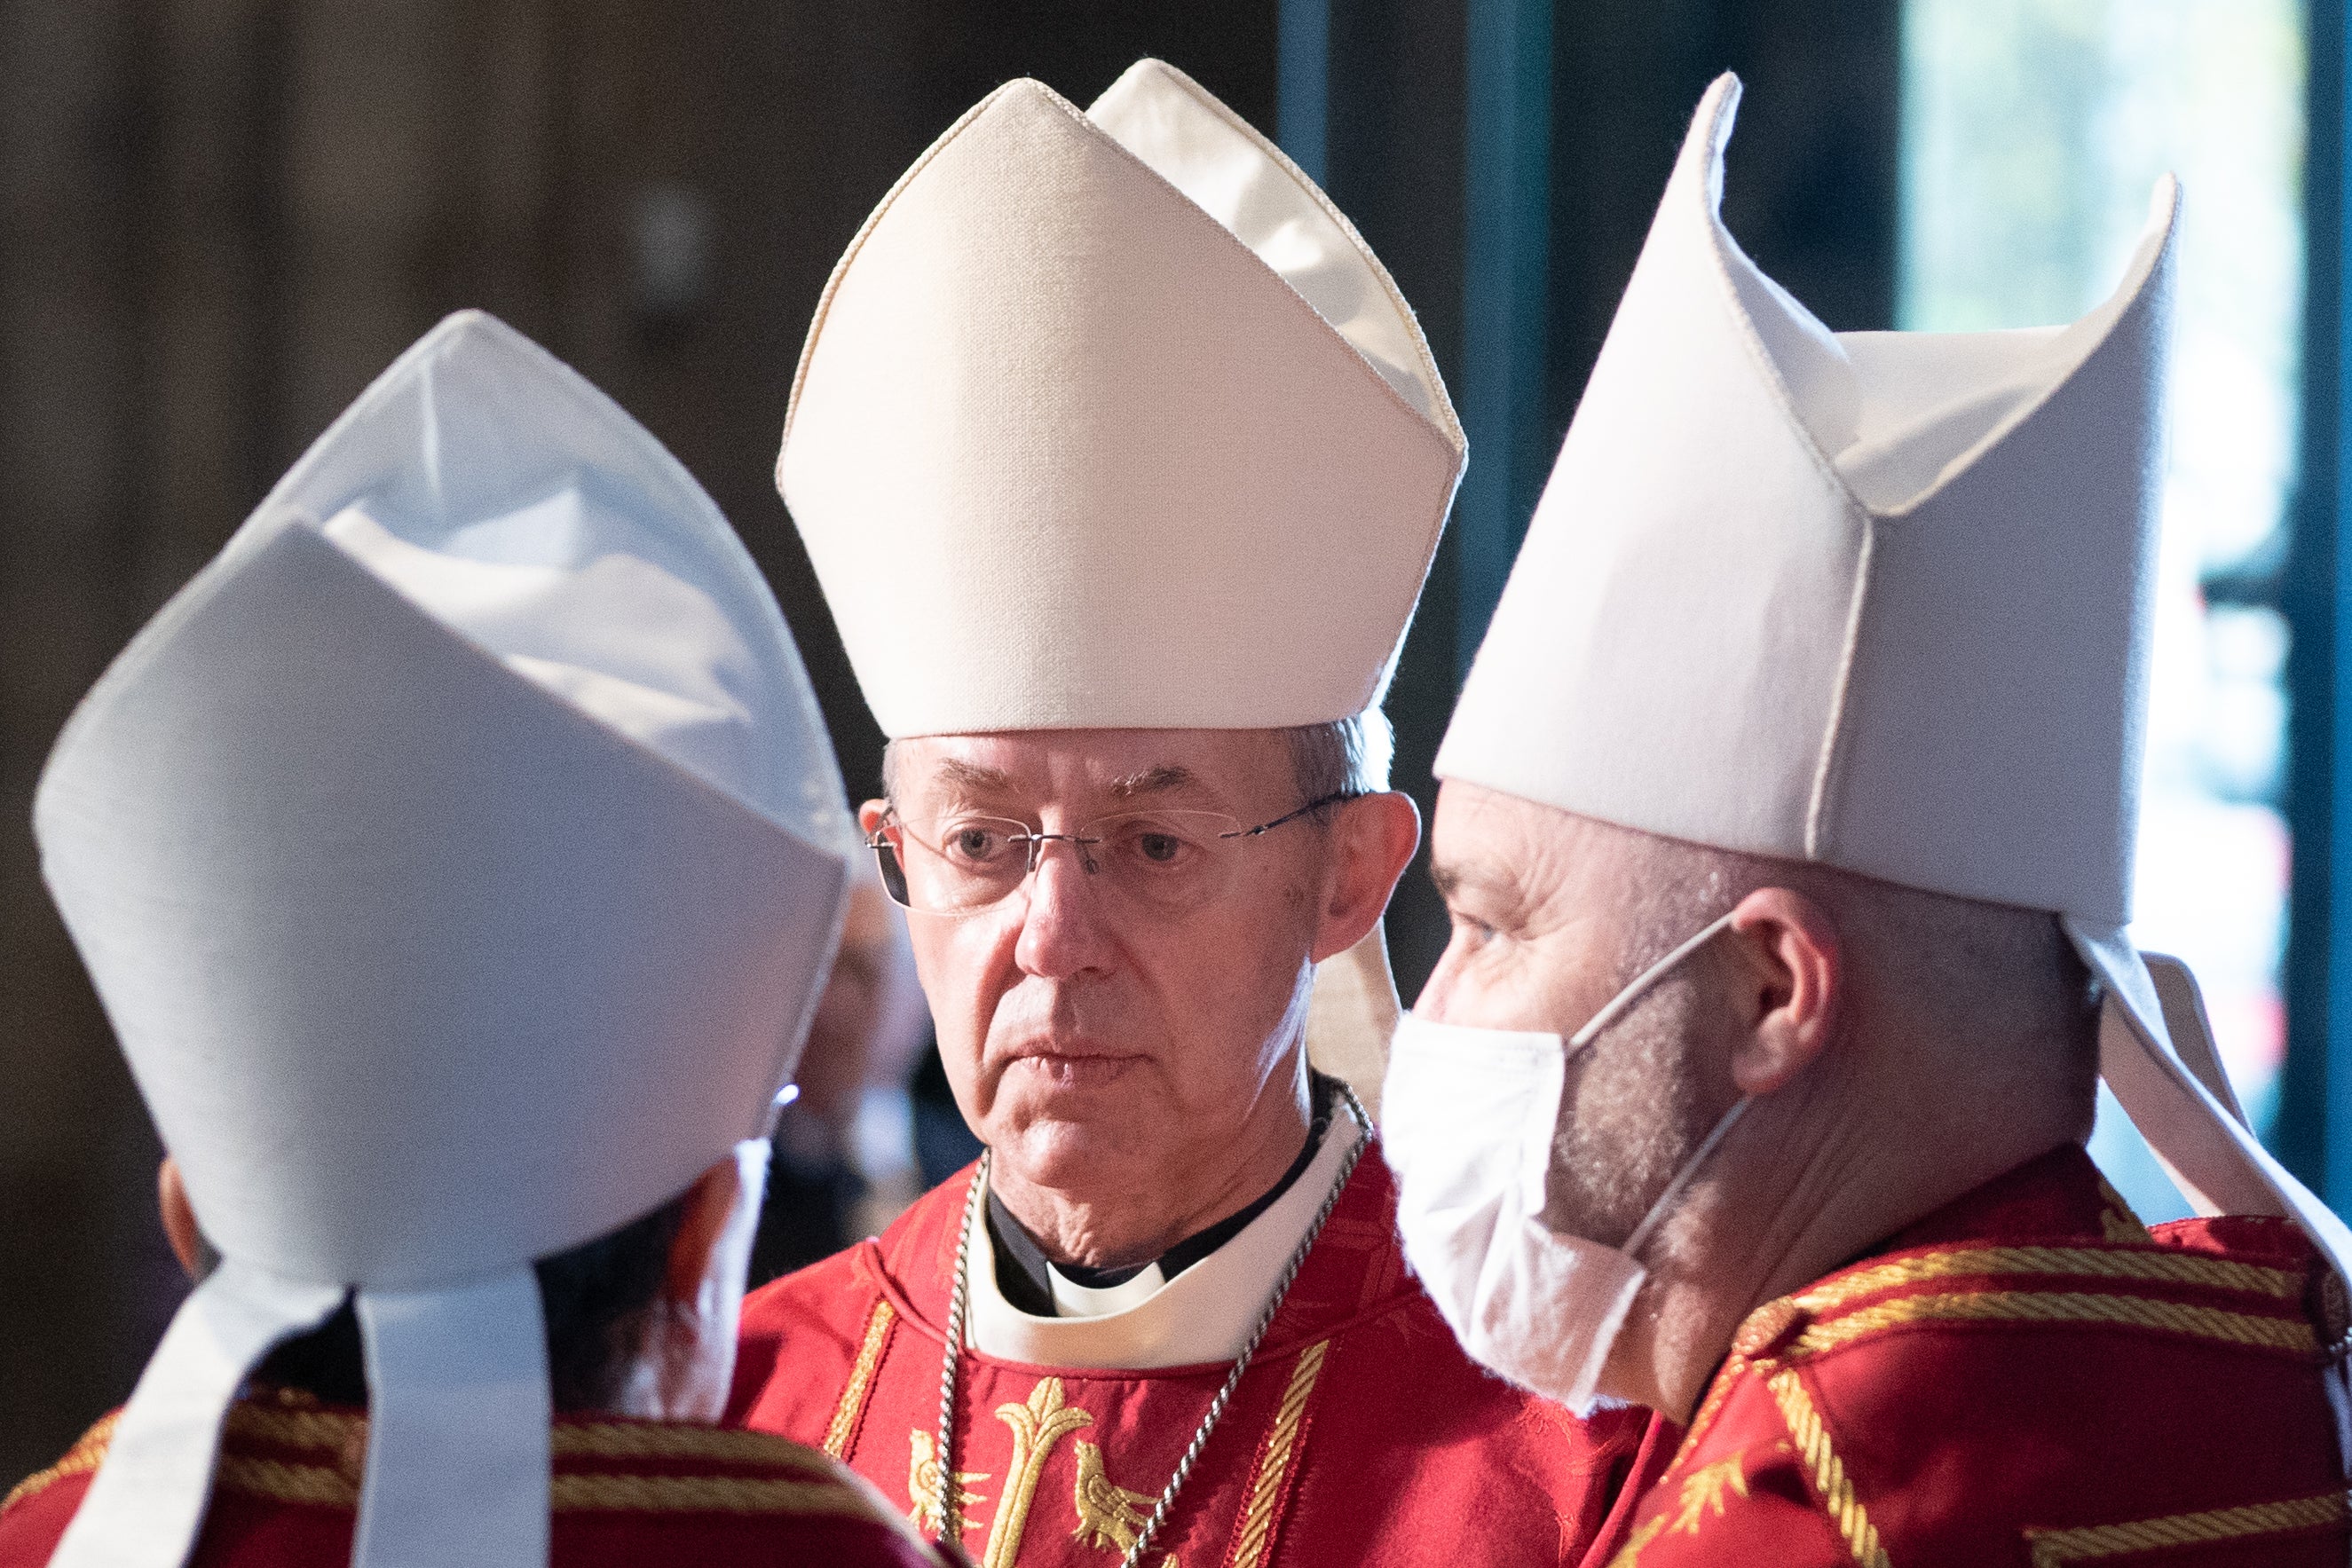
{"x":1876,"y":600}
{"x":1111,"y":420}
{"x":459,"y":857}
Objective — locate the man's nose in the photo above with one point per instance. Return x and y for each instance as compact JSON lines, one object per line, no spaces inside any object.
{"x":1062,"y":927}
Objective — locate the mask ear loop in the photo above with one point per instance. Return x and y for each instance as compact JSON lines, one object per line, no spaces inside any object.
{"x":1658,"y":1210}
{"x":1614,"y":1008}
{"x":1640,"y":984}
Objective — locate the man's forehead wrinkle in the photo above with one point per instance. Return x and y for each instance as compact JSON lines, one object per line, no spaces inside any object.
{"x":1479,"y":872}
{"x":1563,"y":863}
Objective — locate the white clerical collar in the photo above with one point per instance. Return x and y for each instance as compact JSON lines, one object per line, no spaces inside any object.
{"x":1203,"y":1314}
{"x":1072,"y":1300}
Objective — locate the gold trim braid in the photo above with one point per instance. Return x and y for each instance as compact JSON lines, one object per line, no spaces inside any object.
{"x":706,"y":1494}
{"x":295,"y":1426}
{"x":335,"y":1431}
{"x":1829,"y":1481}
{"x":2062,"y":1307}
{"x":328,"y":1486}
{"x":334,"y":1484}
{"x":87,"y":1454}
{"x":2083,"y":1263}
{"x":717,"y":1445}
{"x":1275,"y":1465}
{"x":843,"y":1429}
{"x":321,"y":1486}
{"x":2057,"y":1548}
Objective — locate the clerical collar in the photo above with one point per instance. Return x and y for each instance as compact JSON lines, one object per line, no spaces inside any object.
{"x":1035,"y":1284}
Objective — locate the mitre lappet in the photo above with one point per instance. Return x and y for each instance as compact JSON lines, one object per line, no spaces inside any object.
{"x":1876,"y":600}
{"x":459,"y":857}
{"x":1109,"y":418}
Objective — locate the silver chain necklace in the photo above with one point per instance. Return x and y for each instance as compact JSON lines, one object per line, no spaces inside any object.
{"x":950,"y":1512}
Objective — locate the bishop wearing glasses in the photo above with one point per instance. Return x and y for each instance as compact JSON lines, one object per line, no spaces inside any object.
{"x":1121,"y":460}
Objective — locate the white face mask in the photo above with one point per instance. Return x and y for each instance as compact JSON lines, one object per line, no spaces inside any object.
{"x":1468,"y":1120}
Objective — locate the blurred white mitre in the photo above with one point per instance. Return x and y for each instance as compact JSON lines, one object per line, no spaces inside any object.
{"x":459,"y":875}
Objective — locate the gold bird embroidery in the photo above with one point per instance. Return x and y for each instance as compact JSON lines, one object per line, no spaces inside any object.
{"x":923,"y":1483}
{"x":1108,"y":1512}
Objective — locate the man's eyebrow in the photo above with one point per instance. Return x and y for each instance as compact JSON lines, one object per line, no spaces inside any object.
{"x":1448,"y":877}
{"x":1154,"y":780}
{"x":1455,"y":878}
{"x":958,"y":774}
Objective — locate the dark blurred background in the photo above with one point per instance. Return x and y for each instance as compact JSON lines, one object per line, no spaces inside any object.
{"x":222,"y":217}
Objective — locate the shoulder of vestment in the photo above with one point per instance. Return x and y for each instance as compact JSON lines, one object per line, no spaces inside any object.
{"x":2031,"y":1400}
{"x":286,"y":1489}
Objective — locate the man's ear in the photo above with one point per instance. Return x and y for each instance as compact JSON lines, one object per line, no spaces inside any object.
{"x":713,"y":1208}
{"x":691,"y":1353}
{"x":1373,"y":841}
{"x":180,"y":1220}
{"x":1786,"y":973}
{"x":870,"y":815}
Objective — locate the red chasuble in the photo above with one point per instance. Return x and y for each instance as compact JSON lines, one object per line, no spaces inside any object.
{"x":621,"y":1493}
{"x":1361,"y":1435}
{"x":2027,"y":1377}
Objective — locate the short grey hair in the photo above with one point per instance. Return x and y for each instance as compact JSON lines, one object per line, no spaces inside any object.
{"x":1993,"y":972}
{"x":1344,"y":757}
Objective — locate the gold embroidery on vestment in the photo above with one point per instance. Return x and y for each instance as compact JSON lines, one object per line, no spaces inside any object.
{"x":2117,"y":1220}
{"x":1110,"y":1515}
{"x":2057,"y":1548}
{"x":1831,"y":1483}
{"x":87,"y":1454}
{"x":2163,"y":1266}
{"x":1037,"y":1426}
{"x":346,"y":1434}
{"x":1275,"y":1464}
{"x":1630,"y":1555}
{"x":719,"y":1445}
{"x":321,"y":1486}
{"x":1703,"y":1490}
{"x":297,"y":1427}
{"x":2062,"y":1307}
{"x":1107,"y":1511}
{"x":923,"y":1483}
{"x":331,"y":1485}
{"x":852,"y":1405}
{"x":1735,"y":1368}
{"x":606,"y":1493}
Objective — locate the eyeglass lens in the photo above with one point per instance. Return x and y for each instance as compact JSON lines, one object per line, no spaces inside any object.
{"x":1161,"y":862}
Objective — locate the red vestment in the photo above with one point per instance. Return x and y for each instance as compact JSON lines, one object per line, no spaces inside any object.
{"x":1360,"y":1434}
{"x":621,"y":1493}
{"x":2027,"y":1376}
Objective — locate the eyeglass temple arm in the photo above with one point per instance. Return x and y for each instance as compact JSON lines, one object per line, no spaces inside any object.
{"x":1336,"y":797}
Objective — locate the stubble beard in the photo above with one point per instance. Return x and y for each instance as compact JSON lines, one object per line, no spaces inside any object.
{"x":1633,"y":1114}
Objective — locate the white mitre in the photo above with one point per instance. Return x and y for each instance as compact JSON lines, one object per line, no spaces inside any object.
{"x":459,"y":857}
{"x":1110,"y":419}
{"x":1876,"y":600}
